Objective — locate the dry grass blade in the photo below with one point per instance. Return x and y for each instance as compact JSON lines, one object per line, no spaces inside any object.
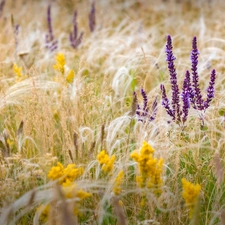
{"x":20,"y":129}
{"x":67,"y":218}
{"x":134,"y":105}
{"x":218,"y":169}
{"x":71,"y":156}
{"x":102,"y":134}
{"x":20,"y":135}
{"x":6,"y":144}
{"x":75,"y":142}
{"x":119,"y":211}
{"x":222,"y":217}
{"x":32,"y":198}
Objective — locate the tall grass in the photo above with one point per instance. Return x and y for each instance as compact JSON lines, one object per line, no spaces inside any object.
{"x":44,"y":119}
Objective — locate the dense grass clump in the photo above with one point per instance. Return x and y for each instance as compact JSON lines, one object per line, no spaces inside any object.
{"x":112,"y":112}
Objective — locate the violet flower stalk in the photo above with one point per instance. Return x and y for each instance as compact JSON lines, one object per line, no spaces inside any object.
{"x":51,"y":44}
{"x":173,"y":80}
{"x":210,"y":89}
{"x":145,"y":102}
{"x":75,"y":41}
{"x":91,"y":17}
{"x":186,"y":96}
{"x":195,"y":95}
{"x":142,"y":113}
{"x":166,"y":102}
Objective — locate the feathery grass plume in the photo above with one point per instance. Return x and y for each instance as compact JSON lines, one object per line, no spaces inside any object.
{"x":190,"y":194}
{"x":106,"y":162}
{"x":150,"y":168}
{"x":91,"y":17}
{"x":143,"y":114}
{"x":50,"y":42}
{"x":75,"y":41}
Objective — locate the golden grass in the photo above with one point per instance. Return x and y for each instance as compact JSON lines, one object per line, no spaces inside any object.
{"x":45,"y":119}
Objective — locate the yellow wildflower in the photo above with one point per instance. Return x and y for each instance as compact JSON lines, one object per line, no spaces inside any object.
{"x":118,"y":181}
{"x":190,"y":194}
{"x":44,"y":212}
{"x":70,"y":76}
{"x":106,"y":161}
{"x":150,"y":168}
{"x":56,"y":172}
{"x":17,"y":70}
{"x":60,"y":62}
{"x":64,"y":175}
{"x":103,"y":157}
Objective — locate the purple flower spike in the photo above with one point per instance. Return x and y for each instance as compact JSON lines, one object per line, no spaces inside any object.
{"x":196,"y":97}
{"x":210,"y":89}
{"x":75,"y":41}
{"x":166,"y":103}
{"x":142,"y":114}
{"x":51,"y":44}
{"x":173,"y":79}
{"x":145,"y":102}
{"x":186,"y":96}
{"x":91,"y":17}
{"x":154,"y":109}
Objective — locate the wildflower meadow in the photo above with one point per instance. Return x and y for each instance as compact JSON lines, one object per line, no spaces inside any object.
{"x":112,"y":112}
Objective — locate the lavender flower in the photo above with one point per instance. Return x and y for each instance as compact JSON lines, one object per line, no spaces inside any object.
{"x":195,"y":95}
{"x":91,"y":17}
{"x":154,"y":109}
{"x":145,"y":102}
{"x":143,"y":114}
{"x":16,"y":33}
{"x":186,"y":96}
{"x":51,"y":44}
{"x":173,"y":80}
{"x":75,"y":41}
{"x":166,"y":103}
{"x":191,"y":94}
{"x":210,"y":89}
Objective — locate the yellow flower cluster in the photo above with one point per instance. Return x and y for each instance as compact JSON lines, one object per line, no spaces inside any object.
{"x":60,"y":67}
{"x":150,"y":168}
{"x":64,"y":175}
{"x":118,"y":181}
{"x":106,"y":161}
{"x":18,"y":71}
{"x":71,"y":191}
{"x":60,"y":63}
{"x":190,"y":194}
{"x":70,"y":76}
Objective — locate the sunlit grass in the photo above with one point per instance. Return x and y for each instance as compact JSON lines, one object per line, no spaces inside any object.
{"x":73,"y":148}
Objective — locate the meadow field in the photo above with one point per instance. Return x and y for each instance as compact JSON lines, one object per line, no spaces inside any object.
{"x":112,"y":112}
